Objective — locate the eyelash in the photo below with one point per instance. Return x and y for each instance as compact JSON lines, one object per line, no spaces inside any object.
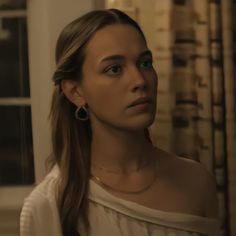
{"x":149,"y":62}
{"x":109,"y":69}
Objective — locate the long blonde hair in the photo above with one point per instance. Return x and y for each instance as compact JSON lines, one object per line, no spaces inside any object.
{"x":71,"y":138}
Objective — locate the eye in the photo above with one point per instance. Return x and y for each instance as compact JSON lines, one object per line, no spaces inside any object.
{"x":113,"y":70}
{"x":146,"y":64}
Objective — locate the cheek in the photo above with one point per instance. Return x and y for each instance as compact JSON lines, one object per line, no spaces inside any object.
{"x":102,"y":100}
{"x":153,"y":81}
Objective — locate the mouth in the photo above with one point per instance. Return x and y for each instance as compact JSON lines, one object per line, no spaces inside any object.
{"x":141,"y":101}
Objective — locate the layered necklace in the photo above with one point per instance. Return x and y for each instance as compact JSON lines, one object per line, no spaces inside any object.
{"x":109,"y":187}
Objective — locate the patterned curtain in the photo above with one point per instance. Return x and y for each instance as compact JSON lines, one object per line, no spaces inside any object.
{"x":203,"y":122}
{"x":194,"y":49}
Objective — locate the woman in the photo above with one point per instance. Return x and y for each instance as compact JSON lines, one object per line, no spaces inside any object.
{"x":108,"y":178}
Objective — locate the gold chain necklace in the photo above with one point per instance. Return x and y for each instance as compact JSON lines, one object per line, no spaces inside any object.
{"x":101,"y":168}
{"x":99,"y":181}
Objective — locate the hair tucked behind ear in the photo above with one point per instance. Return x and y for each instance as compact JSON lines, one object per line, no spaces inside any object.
{"x":71,"y":138}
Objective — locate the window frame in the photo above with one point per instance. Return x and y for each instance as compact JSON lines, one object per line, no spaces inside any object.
{"x":44,"y":24}
{"x":12,"y":196}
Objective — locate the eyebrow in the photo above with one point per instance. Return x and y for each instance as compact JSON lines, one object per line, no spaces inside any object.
{"x":121,"y":57}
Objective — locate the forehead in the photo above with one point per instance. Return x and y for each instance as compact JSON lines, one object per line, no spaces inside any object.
{"x":115,"y":39}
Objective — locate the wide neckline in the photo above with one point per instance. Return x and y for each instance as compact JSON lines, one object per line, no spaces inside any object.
{"x":97,"y":191}
{"x":176,"y":220}
{"x":115,"y":198}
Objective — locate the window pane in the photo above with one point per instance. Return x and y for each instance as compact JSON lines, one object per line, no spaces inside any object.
{"x":16,"y":151}
{"x":12,"y":4}
{"x":14,"y":76}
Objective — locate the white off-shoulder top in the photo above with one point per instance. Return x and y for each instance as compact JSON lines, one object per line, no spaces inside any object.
{"x":108,"y":215}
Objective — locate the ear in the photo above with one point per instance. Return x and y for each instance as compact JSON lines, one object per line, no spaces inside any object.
{"x":71,"y":90}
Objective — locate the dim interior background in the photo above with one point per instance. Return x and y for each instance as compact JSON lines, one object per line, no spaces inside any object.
{"x":193,"y":42}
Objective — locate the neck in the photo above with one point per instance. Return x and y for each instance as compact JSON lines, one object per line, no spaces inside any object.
{"x":120,"y":151}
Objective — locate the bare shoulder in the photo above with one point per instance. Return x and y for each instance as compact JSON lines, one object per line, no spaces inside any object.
{"x":194,"y":178}
{"x":184,"y":166}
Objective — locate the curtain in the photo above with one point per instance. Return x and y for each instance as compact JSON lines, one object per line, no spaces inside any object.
{"x":193,"y":42}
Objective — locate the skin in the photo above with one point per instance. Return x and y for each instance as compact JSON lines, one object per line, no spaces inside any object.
{"x":118,"y":70}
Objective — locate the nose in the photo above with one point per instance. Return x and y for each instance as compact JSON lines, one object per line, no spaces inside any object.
{"x":139,"y":81}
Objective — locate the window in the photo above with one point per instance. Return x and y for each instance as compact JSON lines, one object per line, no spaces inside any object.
{"x":25,"y":100}
{"x":16,"y":146}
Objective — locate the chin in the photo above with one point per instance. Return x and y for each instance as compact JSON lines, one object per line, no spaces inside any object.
{"x":141,"y":124}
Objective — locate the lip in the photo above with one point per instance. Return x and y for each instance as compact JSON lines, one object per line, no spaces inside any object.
{"x":142,"y":100}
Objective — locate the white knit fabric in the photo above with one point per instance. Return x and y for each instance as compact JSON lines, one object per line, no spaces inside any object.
{"x":108,"y":215}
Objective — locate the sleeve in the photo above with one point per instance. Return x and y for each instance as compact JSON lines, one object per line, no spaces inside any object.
{"x":39,"y":217}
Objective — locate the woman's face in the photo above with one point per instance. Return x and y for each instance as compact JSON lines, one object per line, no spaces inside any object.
{"x":116,"y":72}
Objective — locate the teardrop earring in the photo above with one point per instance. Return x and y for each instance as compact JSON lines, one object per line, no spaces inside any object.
{"x":81,"y":113}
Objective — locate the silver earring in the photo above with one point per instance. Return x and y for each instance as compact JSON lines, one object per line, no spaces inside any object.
{"x":81,"y":113}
